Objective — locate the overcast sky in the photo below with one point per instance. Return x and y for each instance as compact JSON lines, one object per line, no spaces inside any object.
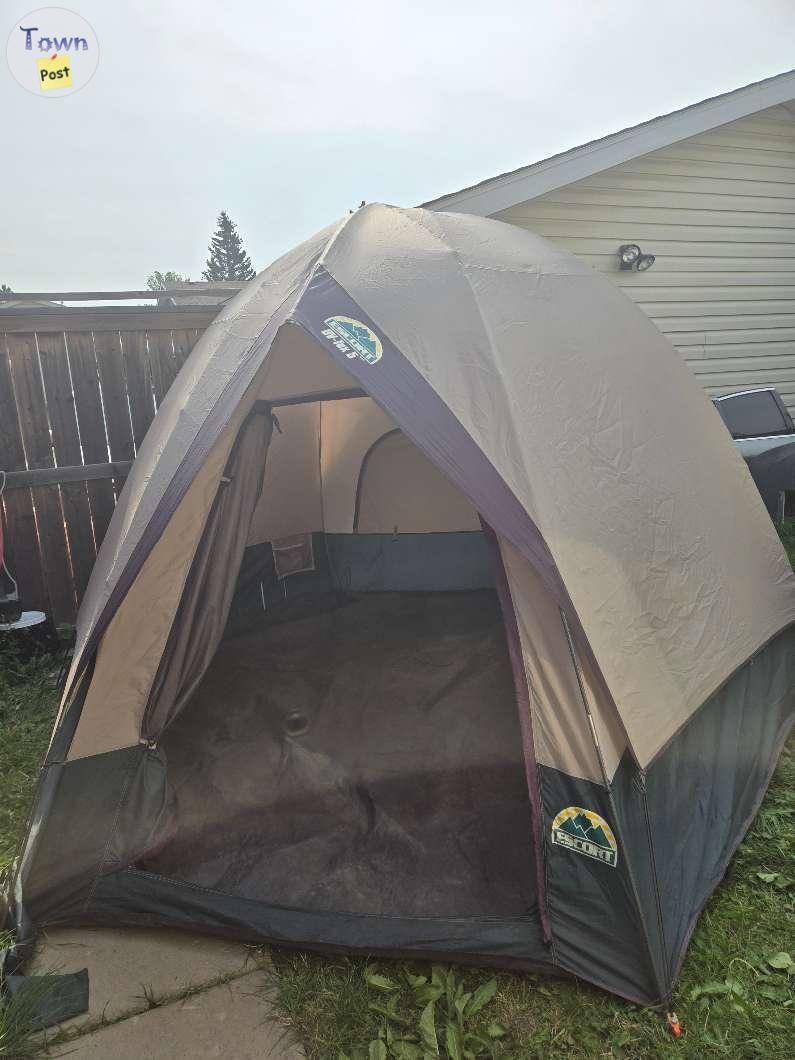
{"x":288,"y":114}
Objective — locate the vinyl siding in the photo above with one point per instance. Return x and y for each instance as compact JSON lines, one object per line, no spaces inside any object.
{"x":718,"y":211}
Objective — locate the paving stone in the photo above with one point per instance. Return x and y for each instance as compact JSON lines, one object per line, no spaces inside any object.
{"x":235,"y":1020}
{"x":123,"y":964}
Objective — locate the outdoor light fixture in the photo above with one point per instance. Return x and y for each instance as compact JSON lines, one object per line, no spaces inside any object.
{"x":628,"y":254}
{"x":630,"y":257}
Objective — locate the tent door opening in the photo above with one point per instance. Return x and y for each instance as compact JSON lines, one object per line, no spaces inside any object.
{"x":353,"y":745}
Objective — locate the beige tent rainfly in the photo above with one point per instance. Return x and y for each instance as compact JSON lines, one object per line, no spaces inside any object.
{"x":438,"y":616}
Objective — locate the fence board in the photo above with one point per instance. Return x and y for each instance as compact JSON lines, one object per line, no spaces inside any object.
{"x":105,"y":318}
{"x":21,"y":541}
{"x":66,"y":444}
{"x":23,"y":360}
{"x":88,"y":405}
{"x":59,"y":578}
{"x":64,"y":474}
{"x":107,"y":348}
{"x":35,"y":429}
{"x":139,"y":384}
{"x":162,"y":362}
{"x":22,"y":550}
{"x":12,"y":453}
{"x":225,"y":292}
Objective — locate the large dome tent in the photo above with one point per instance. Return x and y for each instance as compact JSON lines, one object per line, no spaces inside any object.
{"x":438,"y":616}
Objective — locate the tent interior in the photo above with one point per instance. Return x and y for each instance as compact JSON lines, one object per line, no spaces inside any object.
{"x":354,"y":744}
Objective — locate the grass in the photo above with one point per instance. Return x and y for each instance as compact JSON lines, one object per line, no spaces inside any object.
{"x":735,"y":997}
{"x":20,"y":1037}
{"x":27,"y":709}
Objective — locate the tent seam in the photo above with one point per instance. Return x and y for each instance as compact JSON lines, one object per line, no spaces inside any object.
{"x":655,"y":877}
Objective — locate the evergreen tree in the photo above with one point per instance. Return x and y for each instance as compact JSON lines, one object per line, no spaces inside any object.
{"x":228,"y":259}
{"x":5,"y":289}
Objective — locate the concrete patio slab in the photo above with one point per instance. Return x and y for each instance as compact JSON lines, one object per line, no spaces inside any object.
{"x":130,"y":968}
{"x":234,"y":1020}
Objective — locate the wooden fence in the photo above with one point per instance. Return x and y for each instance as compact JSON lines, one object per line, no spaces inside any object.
{"x":78,"y":390}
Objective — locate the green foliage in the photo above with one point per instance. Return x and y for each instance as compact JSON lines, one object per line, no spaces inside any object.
{"x":228,"y":259}
{"x":416,"y":1014}
{"x":161,"y":281}
{"x":27,"y":707}
{"x":440,"y":1018}
{"x":782,"y":962}
{"x":19,"y":1033}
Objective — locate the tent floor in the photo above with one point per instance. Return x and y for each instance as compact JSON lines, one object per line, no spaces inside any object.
{"x":364,"y":759}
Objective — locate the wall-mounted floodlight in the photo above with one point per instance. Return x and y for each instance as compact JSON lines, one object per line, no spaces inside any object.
{"x":628,"y":255}
{"x":631,"y":257}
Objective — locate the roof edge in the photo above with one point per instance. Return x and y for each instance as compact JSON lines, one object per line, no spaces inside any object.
{"x":528,"y":182}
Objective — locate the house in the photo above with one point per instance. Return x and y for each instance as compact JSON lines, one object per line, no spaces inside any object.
{"x":709,"y":192}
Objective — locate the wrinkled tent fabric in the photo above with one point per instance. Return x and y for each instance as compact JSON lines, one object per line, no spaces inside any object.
{"x":423,"y":374}
{"x":204,"y":609}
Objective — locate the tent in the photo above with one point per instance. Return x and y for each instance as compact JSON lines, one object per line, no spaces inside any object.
{"x":438,"y":616}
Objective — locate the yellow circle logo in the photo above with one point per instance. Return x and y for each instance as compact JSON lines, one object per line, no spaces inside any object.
{"x":585,"y":832}
{"x":354,"y":339}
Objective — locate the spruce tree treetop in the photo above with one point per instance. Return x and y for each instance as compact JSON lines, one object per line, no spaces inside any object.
{"x":228,"y":259}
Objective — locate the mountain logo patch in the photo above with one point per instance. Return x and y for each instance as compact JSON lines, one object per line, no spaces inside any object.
{"x":585,"y":832}
{"x":354,"y":339}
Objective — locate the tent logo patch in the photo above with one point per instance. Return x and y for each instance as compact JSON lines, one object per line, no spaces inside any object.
{"x":354,"y":339}
{"x":587,"y":833}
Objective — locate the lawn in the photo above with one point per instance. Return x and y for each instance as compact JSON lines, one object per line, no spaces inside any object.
{"x":27,"y":709}
{"x":735,"y":997}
